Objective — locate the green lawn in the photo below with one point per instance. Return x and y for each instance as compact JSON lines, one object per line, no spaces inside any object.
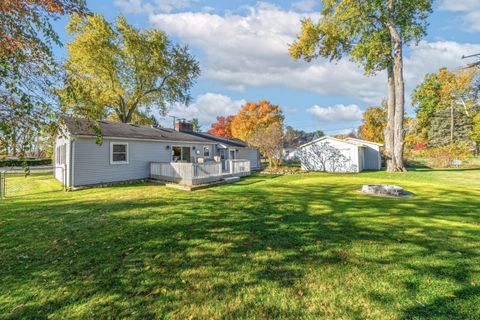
{"x":270,"y":247}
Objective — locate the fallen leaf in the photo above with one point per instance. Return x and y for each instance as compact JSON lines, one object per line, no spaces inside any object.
{"x":154,"y":292}
{"x":300,"y":293}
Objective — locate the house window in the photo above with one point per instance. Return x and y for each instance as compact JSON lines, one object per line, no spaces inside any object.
{"x":206,"y":152}
{"x":118,"y":153}
{"x":180,"y":154}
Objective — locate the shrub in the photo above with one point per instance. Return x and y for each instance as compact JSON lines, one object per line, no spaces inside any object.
{"x":442,"y":157}
{"x":20,"y":163}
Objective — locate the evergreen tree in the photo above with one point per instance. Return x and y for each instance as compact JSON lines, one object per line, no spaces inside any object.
{"x":440,"y":129}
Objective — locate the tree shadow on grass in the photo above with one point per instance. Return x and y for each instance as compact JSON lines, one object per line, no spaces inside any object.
{"x":182,"y":254}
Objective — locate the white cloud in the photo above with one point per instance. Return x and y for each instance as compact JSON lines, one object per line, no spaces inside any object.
{"x":140,"y":6}
{"x":206,"y":108}
{"x":431,"y":56}
{"x":248,"y":50}
{"x":470,"y":9}
{"x":130,"y":6}
{"x":338,"y":113}
{"x":304,"y":5}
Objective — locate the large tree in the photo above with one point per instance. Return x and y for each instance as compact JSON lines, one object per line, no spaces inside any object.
{"x":373,"y":124}
{"x":27,"y":68}
{"x":269,"y":140}
{"x":371,"y":32}
{"x":254,"y":116}
{"x":223,"y":127}
{"x":441,"y":94}
{"x":116,"y":68}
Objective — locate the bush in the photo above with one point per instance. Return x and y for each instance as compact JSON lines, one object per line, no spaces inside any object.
{"x":30,"y":163}
{"x":442,"y":157}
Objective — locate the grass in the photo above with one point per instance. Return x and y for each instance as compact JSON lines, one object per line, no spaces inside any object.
{"x":36,"y":182}
{"x":270,"y":247}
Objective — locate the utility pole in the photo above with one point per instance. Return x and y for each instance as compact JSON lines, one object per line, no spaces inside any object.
{"x":473,"y":64}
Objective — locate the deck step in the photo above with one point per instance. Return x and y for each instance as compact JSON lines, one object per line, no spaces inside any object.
{"x":231,"y":179}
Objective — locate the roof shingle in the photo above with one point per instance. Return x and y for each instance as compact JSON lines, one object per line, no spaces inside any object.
{"x":85,"y":127}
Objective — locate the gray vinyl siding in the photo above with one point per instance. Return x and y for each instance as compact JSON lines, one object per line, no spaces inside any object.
{"x":249,"y":154}
{"x":92,"y":161}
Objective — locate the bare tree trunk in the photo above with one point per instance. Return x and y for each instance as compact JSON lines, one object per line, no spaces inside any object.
{"x":388,"y":151}
{"x":399,"y":132}
{"x":14,"y":141}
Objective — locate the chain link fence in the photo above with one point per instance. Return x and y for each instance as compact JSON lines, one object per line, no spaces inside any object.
{"x":18,"y":183}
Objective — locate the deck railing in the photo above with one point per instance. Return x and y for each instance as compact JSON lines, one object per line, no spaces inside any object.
{"x":198,"y":173}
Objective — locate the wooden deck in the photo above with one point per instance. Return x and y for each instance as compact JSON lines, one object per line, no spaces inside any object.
{"x":192,"y":174}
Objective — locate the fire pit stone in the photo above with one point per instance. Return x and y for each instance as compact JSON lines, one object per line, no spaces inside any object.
{"x":385,"y":190}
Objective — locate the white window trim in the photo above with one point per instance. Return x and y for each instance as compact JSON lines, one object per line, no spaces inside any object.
{"x":111,"y":153}
{"x":182,"y":146}
{"x":209,"y":151}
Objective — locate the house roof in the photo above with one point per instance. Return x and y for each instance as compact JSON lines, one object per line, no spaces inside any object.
{"x":332,"y":138}
{"x":229,"y":142}
{"x":363,"y":141}
{"x":85,"y":127}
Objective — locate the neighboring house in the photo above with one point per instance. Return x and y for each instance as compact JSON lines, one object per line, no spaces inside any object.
{"x":291,"y":154}
{"x":127,"y":150}
{"x":336,"y":155}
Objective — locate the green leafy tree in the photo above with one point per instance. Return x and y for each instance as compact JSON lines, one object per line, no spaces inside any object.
{"x":196,"y":125}
{"x":319,"y":134}
{"x":118,"y":69}
{"x":372,"y":33}
{"x":445,"y":90}
{"x":475,"y":132}
{"x":426,"y":98}
{"x":27,"y":68}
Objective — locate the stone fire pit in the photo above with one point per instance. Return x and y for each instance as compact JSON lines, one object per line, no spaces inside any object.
{"x":385,"y":190}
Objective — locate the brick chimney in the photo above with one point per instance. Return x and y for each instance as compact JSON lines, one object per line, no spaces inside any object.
{"x":183,"y":126}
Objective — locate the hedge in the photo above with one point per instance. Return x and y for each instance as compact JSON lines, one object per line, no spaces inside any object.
{"x":30,"y":163}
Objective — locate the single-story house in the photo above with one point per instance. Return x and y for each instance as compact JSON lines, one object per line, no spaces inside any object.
{"x":291,"y":154}
{"x":340,"y":155}
{"x":127,"y":151}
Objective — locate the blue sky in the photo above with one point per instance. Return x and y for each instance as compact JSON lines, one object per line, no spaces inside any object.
{"x":242,"y":47}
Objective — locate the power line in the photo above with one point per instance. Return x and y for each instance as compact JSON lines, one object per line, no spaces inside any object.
{"x":474,"y":64}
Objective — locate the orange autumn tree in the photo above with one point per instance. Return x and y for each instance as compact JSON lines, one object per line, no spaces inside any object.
{"x":373,"y":124}
{"x":253,"y":116}
{"x":223,"y":127}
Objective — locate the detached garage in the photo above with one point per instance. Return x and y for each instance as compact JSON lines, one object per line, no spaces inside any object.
{"x":337,"y":155}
